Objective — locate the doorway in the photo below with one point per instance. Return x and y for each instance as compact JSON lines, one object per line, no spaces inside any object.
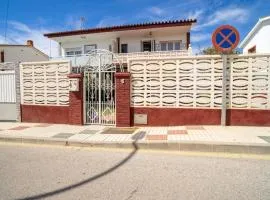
{"x":146,"y":46}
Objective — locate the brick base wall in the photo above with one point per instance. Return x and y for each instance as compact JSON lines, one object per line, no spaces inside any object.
{"x":45,"y":114}
{"x":177,"y":116}
{"x":186,"y":116}
{"x":239,"y":117}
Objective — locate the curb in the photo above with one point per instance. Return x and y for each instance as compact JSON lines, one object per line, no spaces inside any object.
{"x":170,"y":146}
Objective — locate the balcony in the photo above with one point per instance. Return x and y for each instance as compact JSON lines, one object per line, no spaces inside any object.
{"x":83,"y":59}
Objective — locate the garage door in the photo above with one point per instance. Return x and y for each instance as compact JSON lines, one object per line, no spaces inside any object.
{"x":7,"y":96}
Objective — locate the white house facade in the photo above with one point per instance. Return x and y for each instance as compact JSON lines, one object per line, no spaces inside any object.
{"x":258,"y":40}
{"x":134,"y":39}
{"x":21,"y":53}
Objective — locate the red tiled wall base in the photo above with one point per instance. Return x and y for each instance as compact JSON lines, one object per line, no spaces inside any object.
{"x":178,"y":116}
{"x":248,"y":117}
{"x":185,"y":116}
{"x":45,"y":114}
{"x":122,"y":93}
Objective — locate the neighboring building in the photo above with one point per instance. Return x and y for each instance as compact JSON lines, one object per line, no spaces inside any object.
{"x":21,"y":53}
{"x":258,"y":40}
{"x":166,"y":36}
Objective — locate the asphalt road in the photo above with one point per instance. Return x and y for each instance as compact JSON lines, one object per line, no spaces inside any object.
{"x":48,"y":172}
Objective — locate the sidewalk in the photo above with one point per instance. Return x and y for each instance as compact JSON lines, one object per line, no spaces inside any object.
{"x":184,"y":138}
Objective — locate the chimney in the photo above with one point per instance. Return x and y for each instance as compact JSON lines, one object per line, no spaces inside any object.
{"x":30,"y":43}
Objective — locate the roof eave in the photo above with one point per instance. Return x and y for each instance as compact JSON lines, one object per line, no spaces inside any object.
{"x":122,"y":28}
{"x":253,"y":30}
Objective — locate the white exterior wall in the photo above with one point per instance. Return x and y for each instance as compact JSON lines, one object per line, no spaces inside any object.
{"x":22,"y":54}
{"x":260,"y":38}
{"x":134,"y":42}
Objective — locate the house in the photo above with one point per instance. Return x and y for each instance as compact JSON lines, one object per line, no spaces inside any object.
{"x":258,"y":40}
{"x":126,"y":40}
{"x":21,"y":53}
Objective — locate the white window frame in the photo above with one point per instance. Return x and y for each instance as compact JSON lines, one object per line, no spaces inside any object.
{"x":73,"y":50}
{"x":167,"y":45}
{"x":90,"y":45}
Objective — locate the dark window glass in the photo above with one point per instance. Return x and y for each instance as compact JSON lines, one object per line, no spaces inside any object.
{"x":124,"y":48}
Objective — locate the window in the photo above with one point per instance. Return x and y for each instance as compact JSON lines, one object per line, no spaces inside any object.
{"x":163,"y":46}
{"x":170,"y":45}
{"x":89,"y":48}
{"x":110,"y":47}
{"x":73,"y":51}
{"x":177,"y":46}
{"x":124,"y":48}
{"x":146,"y":46}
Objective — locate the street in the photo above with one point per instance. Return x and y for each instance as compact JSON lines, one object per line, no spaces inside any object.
{"x":52,"y":172}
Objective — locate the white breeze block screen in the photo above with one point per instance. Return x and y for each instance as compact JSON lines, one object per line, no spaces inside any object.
{"x":45,"y":83}
{"x":196,"y":82}
{"x":250,"y":81}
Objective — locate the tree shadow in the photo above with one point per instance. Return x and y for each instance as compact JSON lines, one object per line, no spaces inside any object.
{"x":93,"y":178}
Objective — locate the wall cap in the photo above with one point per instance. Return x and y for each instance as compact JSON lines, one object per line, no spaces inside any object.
{"x":122,"y":75}
{"x":73,"y":75}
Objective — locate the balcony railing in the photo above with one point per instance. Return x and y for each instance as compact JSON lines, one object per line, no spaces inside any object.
{"x":124,"y":57}
{"x":81,"y":60}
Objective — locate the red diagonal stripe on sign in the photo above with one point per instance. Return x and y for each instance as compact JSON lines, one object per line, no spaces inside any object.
{"x":225,"y":38}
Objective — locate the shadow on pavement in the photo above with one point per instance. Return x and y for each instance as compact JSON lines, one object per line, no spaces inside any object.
{"x":93,"y":178}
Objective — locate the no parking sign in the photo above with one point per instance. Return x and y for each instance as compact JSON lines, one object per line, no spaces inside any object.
{"x":225,"y":39}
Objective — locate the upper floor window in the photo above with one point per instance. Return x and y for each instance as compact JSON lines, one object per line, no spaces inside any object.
{"x":89,"y":48}
{"x":73,"y":51}
{"x":170,"y":45}
{"x":124,"y":48}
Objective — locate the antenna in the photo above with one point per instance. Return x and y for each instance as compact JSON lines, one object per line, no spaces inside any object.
{"x":82,"y":19}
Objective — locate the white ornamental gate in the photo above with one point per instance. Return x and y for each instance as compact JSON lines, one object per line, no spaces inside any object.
{"x":99,"y":88}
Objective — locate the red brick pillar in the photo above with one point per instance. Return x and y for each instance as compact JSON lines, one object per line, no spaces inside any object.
{"x":76,"y":101}
{"x":122,"y":98}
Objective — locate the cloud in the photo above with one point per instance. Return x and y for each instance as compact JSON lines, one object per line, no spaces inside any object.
{"x":195,"y":14}
{"x":73,"y":22}
{"x":19,"y":33}
{"x":237,"y":15}
{"x":20,"y":26}
{"x":110,"y":21}
{"x":156,"y":10}
{"x":198,"y":37}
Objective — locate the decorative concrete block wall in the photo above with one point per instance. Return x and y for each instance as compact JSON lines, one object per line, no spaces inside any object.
{"x":45,"y":93}
{"x":188,"y":90}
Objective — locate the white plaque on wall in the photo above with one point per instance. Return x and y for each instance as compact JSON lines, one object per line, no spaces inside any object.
{"x":140,"y":118}
{"x":73,"y":84}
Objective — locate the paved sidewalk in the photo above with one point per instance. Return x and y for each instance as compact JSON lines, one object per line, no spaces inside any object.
{"x":175,"y":137}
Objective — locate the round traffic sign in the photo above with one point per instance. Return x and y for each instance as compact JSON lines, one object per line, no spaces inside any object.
{"x":225,"y":38}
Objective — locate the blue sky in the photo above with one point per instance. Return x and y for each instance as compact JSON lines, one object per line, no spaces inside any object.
{"x":29,"y":19}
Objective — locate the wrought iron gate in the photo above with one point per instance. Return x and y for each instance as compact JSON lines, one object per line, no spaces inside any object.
{"x":99,"y":88}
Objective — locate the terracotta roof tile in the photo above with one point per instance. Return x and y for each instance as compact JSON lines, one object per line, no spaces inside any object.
{"x":186,"y":22}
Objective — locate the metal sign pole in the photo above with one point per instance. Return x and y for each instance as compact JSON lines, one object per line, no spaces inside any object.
{"x":224,"y":90}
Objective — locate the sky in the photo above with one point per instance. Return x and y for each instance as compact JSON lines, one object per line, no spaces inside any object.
{"x":30,"y":19}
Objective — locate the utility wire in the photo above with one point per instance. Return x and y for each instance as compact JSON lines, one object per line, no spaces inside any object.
{"x":6,"y":22}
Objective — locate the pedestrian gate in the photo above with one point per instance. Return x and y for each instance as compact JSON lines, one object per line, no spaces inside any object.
{"x":99,"y":88}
